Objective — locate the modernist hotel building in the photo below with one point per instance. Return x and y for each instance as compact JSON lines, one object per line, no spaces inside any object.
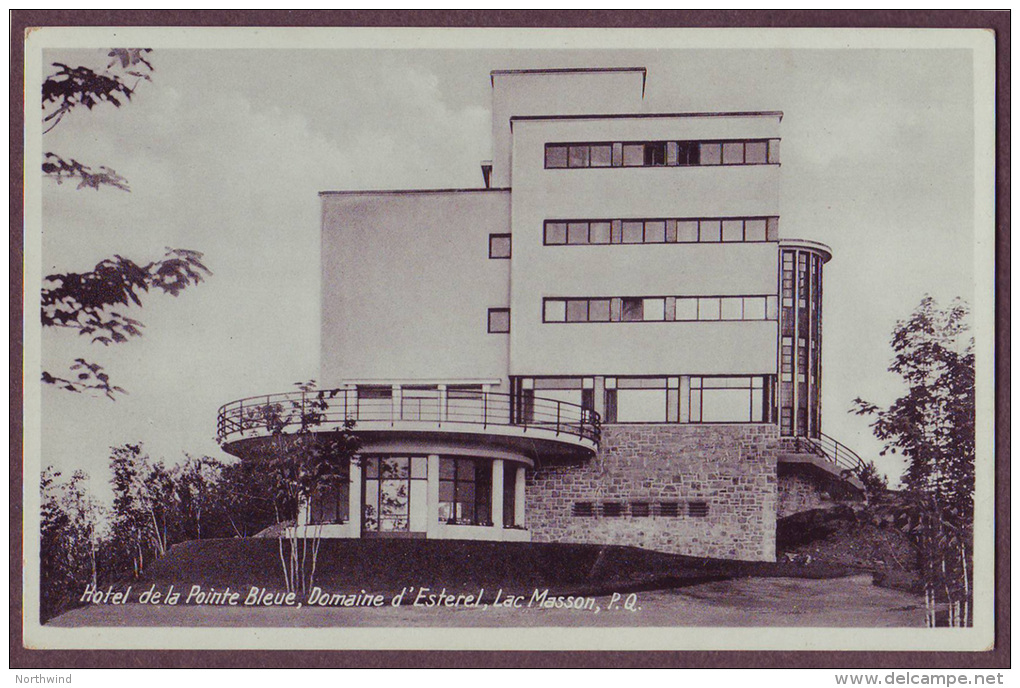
{"x":612,"y":340}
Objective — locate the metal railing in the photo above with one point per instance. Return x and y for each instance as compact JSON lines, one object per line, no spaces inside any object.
{"x":831,"y":450}
{"x":295,"y":411}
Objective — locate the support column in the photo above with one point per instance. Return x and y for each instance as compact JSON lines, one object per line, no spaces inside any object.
{"x":432,"y":505}
{"x":395,"y":404}
{"x":497,"y":497}
{"x":520,"y":518}
{"x":354,"y":499}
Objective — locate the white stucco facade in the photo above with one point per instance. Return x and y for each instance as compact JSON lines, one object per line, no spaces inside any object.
{"x":620,"y":267}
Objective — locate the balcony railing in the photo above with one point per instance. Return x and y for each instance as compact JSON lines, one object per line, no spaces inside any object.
{"x":832,"y":450}
{"x":327,"y":409}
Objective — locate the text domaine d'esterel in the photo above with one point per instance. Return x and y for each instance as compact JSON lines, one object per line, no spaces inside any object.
{"x":415,"y":597}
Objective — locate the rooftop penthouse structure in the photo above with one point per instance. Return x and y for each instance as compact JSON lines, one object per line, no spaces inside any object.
{"x":611,"y":340}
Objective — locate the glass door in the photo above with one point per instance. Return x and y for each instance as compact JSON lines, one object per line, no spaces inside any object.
{"x":395,"y":494}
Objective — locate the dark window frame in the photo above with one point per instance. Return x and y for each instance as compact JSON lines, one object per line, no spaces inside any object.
{"x":496,"y":311}
{"x":765,"y":300}
{"x":691,"y":157}
{"x":509,"y":251}
{"x":478,"y":466}
{"x":616,"y":238}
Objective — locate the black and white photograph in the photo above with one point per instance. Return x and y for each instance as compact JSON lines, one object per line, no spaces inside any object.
{"x":509,"y":339}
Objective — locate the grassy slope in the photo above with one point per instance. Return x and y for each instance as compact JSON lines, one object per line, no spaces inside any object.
{"x":389,"y":565}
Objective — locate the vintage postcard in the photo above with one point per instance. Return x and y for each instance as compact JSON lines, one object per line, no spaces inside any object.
{"x":509,"y":339}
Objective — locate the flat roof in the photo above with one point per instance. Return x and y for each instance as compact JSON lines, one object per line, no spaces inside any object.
{"x":571,"y":70}
{"x":652,"y":115}
{"x":383,"y":192}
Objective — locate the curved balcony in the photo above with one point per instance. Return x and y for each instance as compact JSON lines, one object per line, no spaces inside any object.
{"x":827,"y":454}
{"x":536,"y":428}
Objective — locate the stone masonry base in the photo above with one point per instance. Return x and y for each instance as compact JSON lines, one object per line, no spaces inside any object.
{"x":700,"y":490}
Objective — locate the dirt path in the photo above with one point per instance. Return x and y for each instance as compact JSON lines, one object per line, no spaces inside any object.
{"x":753,"y":602}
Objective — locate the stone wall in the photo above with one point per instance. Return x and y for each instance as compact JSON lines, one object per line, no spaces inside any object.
{"x":801,"y":493}
{"x":710,"y":491}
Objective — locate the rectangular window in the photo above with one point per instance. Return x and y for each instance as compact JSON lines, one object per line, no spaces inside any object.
{"x":577,"y":156}
{"x":633,"y":232}
{"x":555,"y":310}
{"x":633,"y":154}
{"x":499,"y":320}
{"x":687,"y":231}
{"x":599,"y":233}
{"x":602,"y":155}
{"x":711,"y":153}
{"x":733,"y":153}
{"x":655,"y":232}
{"x":733,"y":230}
{"x":555,"y":233}
{"x":659,"y":309}
{"x":577,"y":232}
{"x":499,"y":246}
{"x":577,"y":310}
{"x":710,"y":231}
{"x":655,"y":154}
{"x":598,"y":310}
{"x":555,"y":156}
{"x":633,"y":310}
{"x":708,"y":308}
{"x":331,"y":501}
{"x":510,"y":494}
{"x":654,"y":309}
{"x":465,"y":491}
{"x":756,"y":152}
{"x":661,"y":153}
{"x":727,"y":399}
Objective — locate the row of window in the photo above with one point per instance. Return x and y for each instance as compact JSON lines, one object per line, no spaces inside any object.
{"x":661,"y":153}
{"x":658,"y":308}
{"x":660,"y":231}
{"x":673,"y":399}
{"x":610,"y":509}
{"x":393,"y":483}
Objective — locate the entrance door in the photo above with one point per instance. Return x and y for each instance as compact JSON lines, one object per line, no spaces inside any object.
{"x":395,"y":496}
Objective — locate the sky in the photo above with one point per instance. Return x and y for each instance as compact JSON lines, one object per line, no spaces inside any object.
{"x":226,"y":150}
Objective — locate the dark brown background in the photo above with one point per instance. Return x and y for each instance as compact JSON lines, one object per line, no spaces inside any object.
{"x":996,"y":21}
